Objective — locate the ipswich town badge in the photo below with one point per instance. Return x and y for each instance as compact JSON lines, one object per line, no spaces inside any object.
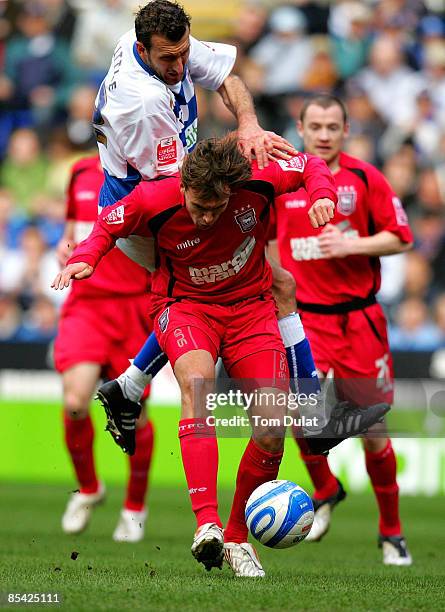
{"x":347,"y":199}
{"x":246,"y":220}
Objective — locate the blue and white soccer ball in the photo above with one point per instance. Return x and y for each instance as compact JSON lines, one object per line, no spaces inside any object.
{"x":279,"y":514}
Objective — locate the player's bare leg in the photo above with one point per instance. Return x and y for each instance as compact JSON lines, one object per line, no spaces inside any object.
{"x":382,"y":470}
{"x":79,"y":383}
{"x":195,"y":373}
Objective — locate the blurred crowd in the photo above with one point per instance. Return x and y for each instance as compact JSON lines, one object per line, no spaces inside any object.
{"x":386,"y":58}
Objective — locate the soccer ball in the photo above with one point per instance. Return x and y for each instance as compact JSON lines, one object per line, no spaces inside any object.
{"x":279,"y":514}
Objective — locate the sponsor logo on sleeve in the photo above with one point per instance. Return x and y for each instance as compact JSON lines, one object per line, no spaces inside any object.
{"x":246,"y":219}
{"x":163,"y":320}
{"x":347,"y":200}
{"x":116,"y":216}
{"x":401,"y":217}
{"x":167,"y":152}
{"x":295,"y":164}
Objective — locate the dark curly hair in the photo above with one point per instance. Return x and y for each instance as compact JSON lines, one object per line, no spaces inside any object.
{"x":162,"y":17}
{"x":215,"y":167}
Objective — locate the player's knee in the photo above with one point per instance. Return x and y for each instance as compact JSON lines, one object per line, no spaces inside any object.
{"x":75,"y":406}
{"x":284,"y":289}
{"x":284,"y":285}
{"x":198,"y":381}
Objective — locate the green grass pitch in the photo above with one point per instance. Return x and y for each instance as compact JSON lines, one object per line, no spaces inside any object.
{"x":342,"y":572}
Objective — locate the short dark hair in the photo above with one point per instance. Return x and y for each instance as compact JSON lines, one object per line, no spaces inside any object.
{"x":214,"y":167}
{"x":325,"y":101}
{"x":162,"y":17}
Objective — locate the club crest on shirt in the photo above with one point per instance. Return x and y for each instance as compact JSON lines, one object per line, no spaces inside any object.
{"x":347,"y":200}
{"x":163,"y":320}
{"x":246,"y":219}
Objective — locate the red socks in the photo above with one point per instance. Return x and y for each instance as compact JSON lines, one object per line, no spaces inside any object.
{"x":199,"y":450}
{"x":256,"y":466}
{"x":382,"y":468}
{"x":322,"y":478}
{"x":139,"y":468}
{"x":79,"y":436}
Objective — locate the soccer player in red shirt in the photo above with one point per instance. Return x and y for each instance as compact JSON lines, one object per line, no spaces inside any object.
{"x":211,"y":294}
{"x":94,"y":340}
{"x":337,"y":274}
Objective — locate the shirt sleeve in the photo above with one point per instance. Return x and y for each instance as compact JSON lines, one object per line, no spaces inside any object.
{"x":152,"y":144}
{"x":386,"y":209}
{"x":127,"y":216}
{"x":210,"y":63}
{"x":302,"y":170}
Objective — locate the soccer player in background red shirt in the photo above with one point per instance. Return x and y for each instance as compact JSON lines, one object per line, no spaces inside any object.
{"x":337,"y":274}
{"x":212,"y":297}
{"x":103,"y":321}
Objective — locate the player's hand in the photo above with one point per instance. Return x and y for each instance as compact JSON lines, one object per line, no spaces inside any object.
{"x":321,"y":212}
{"x":254,"y":141}
{"x":64,"y":250}
{"x":333,"y":242}
{"x":77,"y":270}
{"x":282,"y":149}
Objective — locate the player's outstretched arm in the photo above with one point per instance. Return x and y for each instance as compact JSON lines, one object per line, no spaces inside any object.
{"x":252,"y":138}
{"x":312,"y":173}
{"x":77,"y":270}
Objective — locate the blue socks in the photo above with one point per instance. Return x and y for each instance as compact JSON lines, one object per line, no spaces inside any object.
{"x":302,"y":370}
{"x":150,"y":358}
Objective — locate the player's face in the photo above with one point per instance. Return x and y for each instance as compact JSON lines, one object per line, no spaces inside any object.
{"x":166,"y":58}
{"x":323,"y":131}
{"x":204,"y":214}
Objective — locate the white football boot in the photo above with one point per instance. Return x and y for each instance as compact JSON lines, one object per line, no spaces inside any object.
{"x":395,"y":551}
{"x":243,"y":560}
{"x":79,"y":508}
{"x":322,"y":514}
{"x":131,"y":526}
{"x":208,"y":544}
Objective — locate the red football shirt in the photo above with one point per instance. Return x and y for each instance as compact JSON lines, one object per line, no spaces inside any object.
{"x":366,"y":205}
{"x":115,"y":274}
{"x":223,"y":264}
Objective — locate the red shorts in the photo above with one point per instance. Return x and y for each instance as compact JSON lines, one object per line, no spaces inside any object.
{"x":245,"y":335}
{"x":108,"y":331}
{"x":354,"y":346}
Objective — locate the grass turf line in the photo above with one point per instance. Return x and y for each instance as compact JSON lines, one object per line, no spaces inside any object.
{"x":344,"y":571}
